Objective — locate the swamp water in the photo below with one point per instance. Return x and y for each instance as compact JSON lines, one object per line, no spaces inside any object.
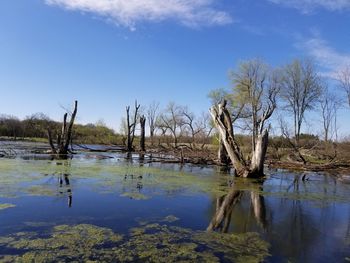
{"x":113,"y":210}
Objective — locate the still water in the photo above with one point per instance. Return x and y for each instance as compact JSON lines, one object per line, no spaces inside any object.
{"x":108,"y":208}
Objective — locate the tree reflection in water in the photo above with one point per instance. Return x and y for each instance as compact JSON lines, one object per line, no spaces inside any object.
{"x":64,"y":184}
{"x":293,"y":212}
{"x":226,"y":203}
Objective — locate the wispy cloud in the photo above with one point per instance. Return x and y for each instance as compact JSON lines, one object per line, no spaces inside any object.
{"x":307,"y":6}
{"x":328,"y":58}
{"x":192,"y":13}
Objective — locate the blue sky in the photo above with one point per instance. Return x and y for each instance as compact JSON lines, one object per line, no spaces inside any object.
{"x":107,"y":53}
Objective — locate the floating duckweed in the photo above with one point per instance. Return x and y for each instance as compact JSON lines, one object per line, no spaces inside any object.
{"x":65,"y":242}
{"x":149,"y":243}
{"x":39,"y":190}
{"x":5,"y":206}
{"x":16,"y":176}
{"x":161,"y":243}
{"x":19,"y":177}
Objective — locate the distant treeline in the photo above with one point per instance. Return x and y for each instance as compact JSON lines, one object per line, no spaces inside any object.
{"x":37,"y":125}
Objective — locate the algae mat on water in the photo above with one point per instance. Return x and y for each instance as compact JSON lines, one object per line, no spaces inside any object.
{"x":34,"y":178}
{"x":149,"y":243}
{"x":22,"y":177}
{"x":5,"y":206}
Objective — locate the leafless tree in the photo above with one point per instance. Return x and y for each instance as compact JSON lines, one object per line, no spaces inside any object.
{"x":197,"y":128}
{"x":131,"y":126}
{"x":329,"y":104}
{"x":344,"y":81}
{"x":301,"y":91}
{"x":286,"y":133}
{"x":152,"y":115}
{"x":65,"y":137}
{"x":172,"y":120}
{"x":205,"y":128}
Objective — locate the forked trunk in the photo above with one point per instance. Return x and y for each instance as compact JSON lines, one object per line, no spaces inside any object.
{"x":64,"y":139}
{"x":223,"y":123}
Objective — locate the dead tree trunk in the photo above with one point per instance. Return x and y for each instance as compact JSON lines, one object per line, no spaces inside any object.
{"x":64,"y":139}
{"x":223,"y":123}
{"x":222,"y":154}
{"x":142,"y":136}
{"x":259,"y":153}
{"x":131,"y":126}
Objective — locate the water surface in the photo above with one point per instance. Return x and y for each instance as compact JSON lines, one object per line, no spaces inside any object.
{"x":108,"y":208}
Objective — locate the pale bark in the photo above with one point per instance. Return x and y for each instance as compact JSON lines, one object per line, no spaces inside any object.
{"x":259,"y":153}
{"x":223,"y":123}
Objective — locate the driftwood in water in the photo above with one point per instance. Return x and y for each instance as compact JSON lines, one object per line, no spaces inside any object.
{"x":65,"y":137}
{"x":223,"y":123}
{"x":142,"y":135}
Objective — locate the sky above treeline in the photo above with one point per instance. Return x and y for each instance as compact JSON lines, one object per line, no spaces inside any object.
{"x":107,"y":53}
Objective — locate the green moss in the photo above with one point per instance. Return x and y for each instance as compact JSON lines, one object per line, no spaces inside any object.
{"x":149,"y":243}
{"x":5,"y":206}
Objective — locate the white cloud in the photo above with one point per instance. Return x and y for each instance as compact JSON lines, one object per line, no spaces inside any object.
{"x":327,"y":57}
{"x":192,"y":13}
{"x":307,"y":6}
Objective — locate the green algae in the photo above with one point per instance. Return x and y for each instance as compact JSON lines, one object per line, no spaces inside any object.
{"x":149,"y":243}
{"x":28,"y":178}
{"x":6,"y":206}
{"x":63,"y":243}
{"x":16,"y":176}
{"x":39,"y":190}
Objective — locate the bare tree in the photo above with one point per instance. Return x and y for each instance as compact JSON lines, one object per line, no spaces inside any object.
{"x":301,"y":91}
{"x":205,"y":128}
{"x":344,"y":81}
{"x":255,"y":89}
{"x":131,"y":126}
{"x":152,"y":115}
{"x":171,"y":120}
{"x":329,"y":107}
{"x":64,"y":138}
